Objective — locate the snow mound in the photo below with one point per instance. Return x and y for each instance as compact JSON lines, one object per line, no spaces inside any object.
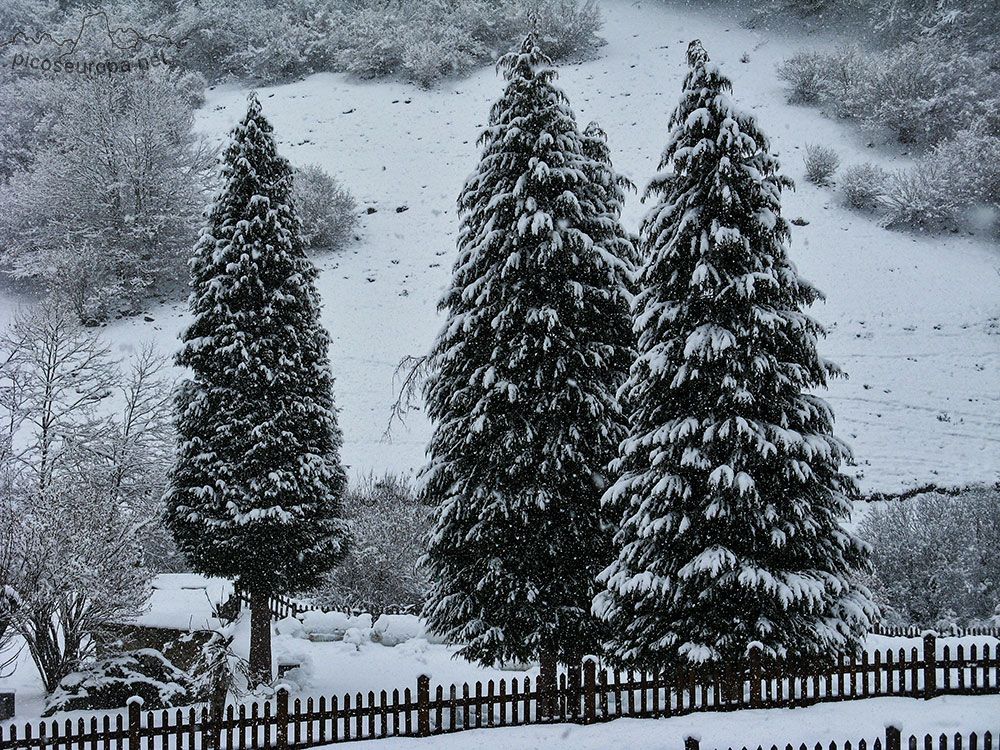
{"x":392,"y":630}
{"x":332,"y":626}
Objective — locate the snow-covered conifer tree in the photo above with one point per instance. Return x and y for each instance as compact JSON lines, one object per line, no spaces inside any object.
{"x":609,"y":190}
{"x":521,"y":389}
{"x":255,"y":491}
{"x":730,"y":480}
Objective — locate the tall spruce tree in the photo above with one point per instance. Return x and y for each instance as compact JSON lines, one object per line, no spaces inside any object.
{"x":730,"y":481}
{"x":255,"y":491}
{"x":522,"y":388}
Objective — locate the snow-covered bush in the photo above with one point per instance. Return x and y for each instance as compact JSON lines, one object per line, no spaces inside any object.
{"x":957,"y":184}
{"x":805,"y":73}
{"x":245,"y":38}
{"x":935,"y":558}
{"x":109,"y":683}
{"x":924,"y":94}
{"x":821,"y":163}
{"x":109,"y":195}
{"x":920,"y":198}
{"x":893,"y":21}
{"x":920,"y":92}
{"x":325,"y":207}
{"x":423,"y":40}
{"x":380,"y":574}
{"x":863,"y":185}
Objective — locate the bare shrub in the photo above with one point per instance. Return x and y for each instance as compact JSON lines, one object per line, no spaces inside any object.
{"x":82,"y":485}
{"x":325,"y":207}
{"x":804,"y":71}
{"x":821,"y":163}
{"x":380,"y":574}
{"x":934,"y":558}
{"x":422,"y":40}
{"x":919,"y":198}
{"x":864,"y":185}
{"x":957,"y":183}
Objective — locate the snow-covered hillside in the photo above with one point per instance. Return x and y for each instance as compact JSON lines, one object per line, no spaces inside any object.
{"x":915,"y":320}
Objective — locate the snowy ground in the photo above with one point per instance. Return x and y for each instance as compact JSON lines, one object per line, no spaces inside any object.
{"x":356,"y":661}
{"x":837,"y":722}
{"x":914,"y":320}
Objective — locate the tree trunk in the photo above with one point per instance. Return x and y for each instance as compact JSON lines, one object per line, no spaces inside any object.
{"x":547,"y":684}
{"x":260,"y":639}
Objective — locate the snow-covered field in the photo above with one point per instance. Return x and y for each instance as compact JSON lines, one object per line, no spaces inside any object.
{"x":915,"y":320}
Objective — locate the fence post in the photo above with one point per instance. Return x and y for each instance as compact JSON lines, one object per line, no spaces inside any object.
{"x":423,"y":706}
{"x":282,"y":719}
{"x":755,"y":692}
{"x":134,"y":721}
{"x":691,"y":743}
{"x":930,"y":666}
{"x":589,"y":691}
{"x":892,"y":739}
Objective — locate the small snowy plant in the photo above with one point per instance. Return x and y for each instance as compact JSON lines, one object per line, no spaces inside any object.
{"x":821,"y":163}
{"x":805,"y":73}
{"x":729,"y":485}
{"x":111,"y":682}
{"x":325,"y":207}
{"x":522,"y":385}
{"x":864,"y":185}
{"x":255,"y":491}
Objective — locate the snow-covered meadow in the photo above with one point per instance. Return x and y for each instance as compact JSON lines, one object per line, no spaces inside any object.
{"x":914,"y":319}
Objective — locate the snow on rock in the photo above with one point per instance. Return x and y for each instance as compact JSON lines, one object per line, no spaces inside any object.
{"x":291,"y":626}
{"x":391,"y":630}
{"x":333,"y":626}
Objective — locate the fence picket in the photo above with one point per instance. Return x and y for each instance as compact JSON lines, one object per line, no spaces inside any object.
{"x":503,"y":702}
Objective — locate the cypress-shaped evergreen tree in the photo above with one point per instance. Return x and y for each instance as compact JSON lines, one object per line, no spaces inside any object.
{"x":255,"y":491}
{"x":521,"y":389}
{"x":730,"y":479}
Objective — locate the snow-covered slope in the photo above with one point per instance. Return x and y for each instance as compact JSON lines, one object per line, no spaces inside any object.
{"x":914,"y":320}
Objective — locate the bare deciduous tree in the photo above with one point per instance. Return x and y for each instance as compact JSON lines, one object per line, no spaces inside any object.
{"x":86,"y":445}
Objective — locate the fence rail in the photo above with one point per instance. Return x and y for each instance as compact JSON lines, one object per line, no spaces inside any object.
{"x":582,"y":695}
{"x":913,"y":631}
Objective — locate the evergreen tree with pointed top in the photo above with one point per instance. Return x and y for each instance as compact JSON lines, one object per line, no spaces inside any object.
{"x":730,"y":479}
{"x":255,"y":491}
{"x":610,"y":189}
{"x":522,"y":389}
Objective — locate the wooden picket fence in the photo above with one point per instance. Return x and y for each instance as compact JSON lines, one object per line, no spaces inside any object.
{"x":581,"y":695}
{"x":894,"y":740}
{"x":281,"y":606}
